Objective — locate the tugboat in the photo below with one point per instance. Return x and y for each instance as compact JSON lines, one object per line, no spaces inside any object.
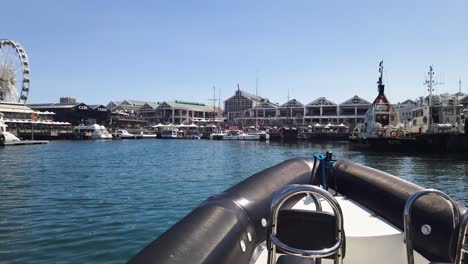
{"x":382,"y":128}
{"x":437,"y":115}
{"x":436,"y":124}
{"x":318,"y":210}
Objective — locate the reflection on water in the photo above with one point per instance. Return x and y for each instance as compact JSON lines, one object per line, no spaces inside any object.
{"x":102,"y":201}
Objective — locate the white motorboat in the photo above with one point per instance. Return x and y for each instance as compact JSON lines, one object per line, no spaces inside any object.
{"x":263,"y":135}
{"x":239,"y":135}
{"x":217,"y":135}
{"x":6,"y":137}
{"x":193,"y":134}
{"x":123,"y":134}
{"x":93,"y":131}
{"x":170,"y":132}
{"x":142,"y":135}
{"x":318,"y":211}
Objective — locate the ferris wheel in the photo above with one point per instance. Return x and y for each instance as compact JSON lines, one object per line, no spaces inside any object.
{"x":14,"y":72}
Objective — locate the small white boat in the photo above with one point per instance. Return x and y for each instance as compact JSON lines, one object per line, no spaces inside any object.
{"x":142,"y":135}
{"x":263,"y":135}
{"x":239,"y":135}
{"x":93,"y":131}
{"x":193,"y":134}
{"x":123,"y":134}
{"x":6,"y":137}
{"x":218,"y":135}
{"x":170,"y":132}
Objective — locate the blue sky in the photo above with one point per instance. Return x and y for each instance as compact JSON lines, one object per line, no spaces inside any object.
{"x":105,"y":50}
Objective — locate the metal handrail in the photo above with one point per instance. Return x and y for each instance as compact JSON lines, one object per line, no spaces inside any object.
{"x":462,"y":247}
{"x":407,"y":217}
{"x":280,"y":198}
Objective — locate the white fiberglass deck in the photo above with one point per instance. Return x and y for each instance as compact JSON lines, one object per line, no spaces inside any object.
{"x":370,"y":239}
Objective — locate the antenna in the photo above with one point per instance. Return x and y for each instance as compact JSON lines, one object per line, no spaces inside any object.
{"x":380,"y":86}
{"x":430,"y":84}
{"x":214,"y":103}
{"x":256,"y":104}
{"x":459,"y":85}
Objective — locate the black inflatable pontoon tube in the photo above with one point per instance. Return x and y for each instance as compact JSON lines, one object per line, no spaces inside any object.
{"x":386,"y":195}
{"x":227,"y":227}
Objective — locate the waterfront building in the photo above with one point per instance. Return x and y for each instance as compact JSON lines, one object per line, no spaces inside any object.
{"x":265,"y":113}
{"x":353,"y":110}
{"x":75,"y":113}
{"x":235,"y":107}
{"x":405,"y":110}
{"x":178,"y":112}
{"x":126,"y":114}
{"x":127,"y":106}
{"x":27,"y":123}
{"x":67,"y":100}
{"x":324,"y":111}
{"x":148,"y":112}
{"x":320,"y":111}
{"x":291,"y":112}
{"x":113,"y":104}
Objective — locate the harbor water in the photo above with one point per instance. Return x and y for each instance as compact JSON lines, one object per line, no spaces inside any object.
{"x":103,"y":201}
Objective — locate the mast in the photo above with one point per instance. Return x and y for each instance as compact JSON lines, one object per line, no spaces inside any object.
{"x":430,"y":84}
{"x":289,"y":114}
{"x":240,"y":113}
{"x":214,"y":103}
{"x":381,"y":98}
{"x":459,"y":85}
{"x":381,"y":86}
{"x":219,"y":103}
{"x":256,"y":104}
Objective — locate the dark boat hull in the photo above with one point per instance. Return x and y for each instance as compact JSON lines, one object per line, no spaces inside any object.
{"x":445,"y":143}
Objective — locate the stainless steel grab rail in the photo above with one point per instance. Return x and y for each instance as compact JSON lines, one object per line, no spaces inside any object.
{"x":280,"y":198}
{"x":407,"y":217}
{"x":462,"y":247}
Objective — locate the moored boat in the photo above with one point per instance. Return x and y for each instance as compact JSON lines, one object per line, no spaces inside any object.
{"x":144,"y":135}
{"x":240,"y":135}
{"x":217,"y":135}
{"x":435,"y":126}
{"x":94,"y":131}
{"x":312,"y":210}
{"x":6,"y":137}
{"x":123,"y":134}
{"x":170,"y":132}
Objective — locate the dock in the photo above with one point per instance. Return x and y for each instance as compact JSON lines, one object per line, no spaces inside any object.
{"x":24,"y":142}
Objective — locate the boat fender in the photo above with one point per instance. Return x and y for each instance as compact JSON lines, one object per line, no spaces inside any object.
{"x":400,"y":133}
{"x":386,"y":195}
{"x":380,"y":132}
